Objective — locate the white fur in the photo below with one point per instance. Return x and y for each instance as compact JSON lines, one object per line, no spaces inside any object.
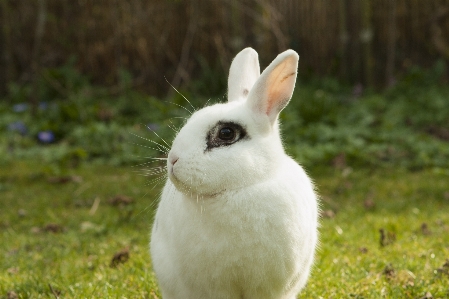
{"x":243,"y":74}
{"x":237,"y":221}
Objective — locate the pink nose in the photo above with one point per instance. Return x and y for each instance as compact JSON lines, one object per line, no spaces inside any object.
{"x":173,"y":159}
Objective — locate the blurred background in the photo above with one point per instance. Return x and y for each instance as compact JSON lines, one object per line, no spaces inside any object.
{"x":74,"y":71}
{"x":366,"y":42}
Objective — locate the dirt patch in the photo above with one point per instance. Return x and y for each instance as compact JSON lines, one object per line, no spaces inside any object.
{"x":120,"y":257}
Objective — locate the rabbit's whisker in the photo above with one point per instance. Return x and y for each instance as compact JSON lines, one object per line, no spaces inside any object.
{"x":190,"y":112}
{"x":150,"y":147}
{"x":173,"y":128}
{"x":180,"y":94}
{"x":155,"y":170}
{"x":166,"y":149}
{"x":155,"y":181}
{"x":207,"y":102}
{"x":176,"y":129}
{"x":151,"y":205}
{"x":185,"y":118}
{"x":146,"y":163}
{"x":154,"y":132}
{"x":150,"y":172}
{"x":164,"y":159}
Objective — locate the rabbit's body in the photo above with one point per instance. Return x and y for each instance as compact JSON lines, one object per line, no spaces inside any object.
{"x":251,"y":243}
{"x":238,"y":217}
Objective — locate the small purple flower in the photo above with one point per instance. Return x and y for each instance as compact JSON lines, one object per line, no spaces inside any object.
{"x":43,"y":105}
{"x":18,"y":126}
{"x":153,"y":127}
{"x":21,"y":107}
{"x":46,"y":137}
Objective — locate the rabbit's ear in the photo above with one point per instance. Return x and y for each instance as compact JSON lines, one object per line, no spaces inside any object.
{"x":274,"y":88}
{"x":243,"y":74}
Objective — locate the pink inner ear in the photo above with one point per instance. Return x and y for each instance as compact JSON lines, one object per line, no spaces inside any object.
{"x":281,"y":87}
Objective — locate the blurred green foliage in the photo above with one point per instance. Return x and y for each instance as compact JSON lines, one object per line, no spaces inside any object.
{"x":405,"y":125}
{"x":326,"y":122}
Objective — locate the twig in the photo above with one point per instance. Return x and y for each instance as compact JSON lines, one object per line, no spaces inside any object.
{"x":95,"y":206}
{"x":55,"y":293}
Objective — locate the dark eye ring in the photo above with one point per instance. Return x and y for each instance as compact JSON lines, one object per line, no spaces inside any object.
{"x":226,"y":133}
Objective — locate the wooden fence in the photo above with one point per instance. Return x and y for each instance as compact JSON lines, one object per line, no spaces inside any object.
{"x":360,"y":41}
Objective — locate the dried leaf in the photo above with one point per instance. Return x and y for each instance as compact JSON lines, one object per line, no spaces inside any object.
{"x":120,"y":257}
{"x":121,"y":200}
{"x":54,"y":228}
{"x":328,"y":214}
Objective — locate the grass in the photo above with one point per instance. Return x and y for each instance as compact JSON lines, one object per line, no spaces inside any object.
{"x":73,"y":254}
{"x":411,"y":207}
{"x":62,"y":236}
{"x":56,"y":242}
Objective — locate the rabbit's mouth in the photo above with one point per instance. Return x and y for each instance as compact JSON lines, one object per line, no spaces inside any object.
{"x":180,"y":185}
{"x":173,"y":178}
{"x":191,"y":191}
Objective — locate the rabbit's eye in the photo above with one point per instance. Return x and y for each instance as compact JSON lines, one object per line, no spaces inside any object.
{"x":226,"y":134}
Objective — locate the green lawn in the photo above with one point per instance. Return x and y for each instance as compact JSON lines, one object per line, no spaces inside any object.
{"x":59,"y":238}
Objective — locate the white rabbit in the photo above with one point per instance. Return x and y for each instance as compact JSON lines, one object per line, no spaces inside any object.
{"x":238,"y":217}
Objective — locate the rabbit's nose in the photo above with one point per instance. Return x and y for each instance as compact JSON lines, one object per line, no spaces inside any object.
{"x":173,"y":159}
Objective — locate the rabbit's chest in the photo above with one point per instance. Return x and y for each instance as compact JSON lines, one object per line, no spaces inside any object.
{"x":234,"y":240}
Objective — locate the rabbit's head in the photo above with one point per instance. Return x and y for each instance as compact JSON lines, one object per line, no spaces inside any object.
{"x":228,"y":146}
